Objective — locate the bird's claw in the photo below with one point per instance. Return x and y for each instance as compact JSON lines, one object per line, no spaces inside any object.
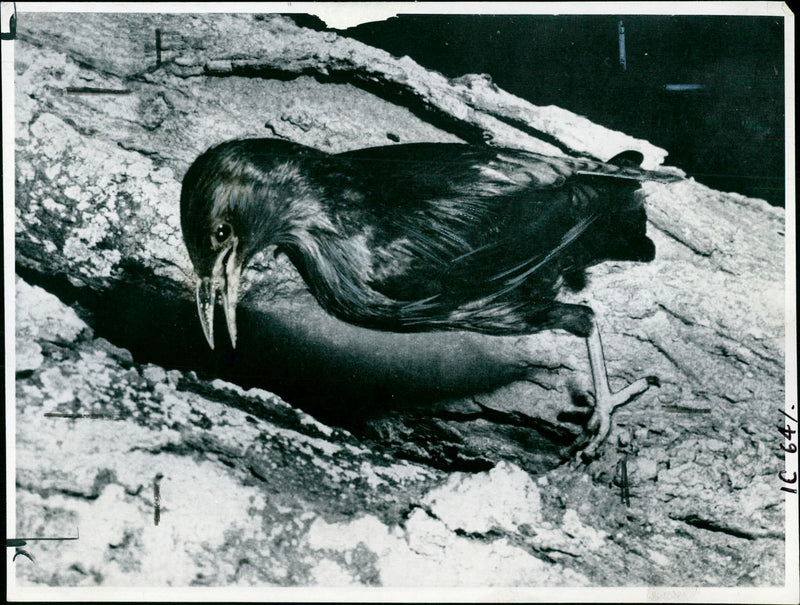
{"x":605,"y":401}
{"x":600,"y":422}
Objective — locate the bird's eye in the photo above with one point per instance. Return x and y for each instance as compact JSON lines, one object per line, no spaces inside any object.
{"x":221,"y":233}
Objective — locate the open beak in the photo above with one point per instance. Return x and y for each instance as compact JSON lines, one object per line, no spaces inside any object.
{"x":224,"y":279}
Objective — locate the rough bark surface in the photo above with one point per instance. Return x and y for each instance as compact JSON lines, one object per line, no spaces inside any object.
{"x":178,"y":466}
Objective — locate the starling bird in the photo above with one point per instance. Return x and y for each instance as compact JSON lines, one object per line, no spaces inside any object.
{"x":421,"y":237}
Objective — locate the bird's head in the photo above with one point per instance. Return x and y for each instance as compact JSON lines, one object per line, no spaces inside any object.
{"x":237,"y":198}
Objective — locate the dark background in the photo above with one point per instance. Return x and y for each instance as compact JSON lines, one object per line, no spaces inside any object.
{"x":728,"y":135}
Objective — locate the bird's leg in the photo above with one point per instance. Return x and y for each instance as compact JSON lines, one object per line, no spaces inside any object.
{"x":605,"y":400}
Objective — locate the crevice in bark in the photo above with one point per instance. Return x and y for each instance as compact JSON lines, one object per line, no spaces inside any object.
{"x":536,"y":134}
{"x":372,"y":83}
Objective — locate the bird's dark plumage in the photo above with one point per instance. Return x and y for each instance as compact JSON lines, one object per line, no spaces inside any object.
{"x":422,"y":236}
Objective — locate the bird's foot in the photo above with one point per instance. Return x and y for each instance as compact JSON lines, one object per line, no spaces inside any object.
{"x":605,"y":401}
{"x":599,"y":423}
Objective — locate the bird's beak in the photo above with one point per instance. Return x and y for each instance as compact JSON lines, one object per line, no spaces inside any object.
{"x":224,"y":279}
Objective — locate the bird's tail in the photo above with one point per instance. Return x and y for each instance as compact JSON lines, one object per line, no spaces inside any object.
{"x":612,"y":197}
{"x":626,"y":166}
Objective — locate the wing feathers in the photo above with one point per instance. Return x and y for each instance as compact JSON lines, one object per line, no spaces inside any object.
{"x":459,"y":225}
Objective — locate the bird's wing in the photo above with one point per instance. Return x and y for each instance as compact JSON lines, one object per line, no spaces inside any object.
{"x":439,"y":202}
{"x":458,"y":222}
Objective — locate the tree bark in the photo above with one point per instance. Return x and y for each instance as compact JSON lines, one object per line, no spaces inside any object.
{"x":405,"y":475}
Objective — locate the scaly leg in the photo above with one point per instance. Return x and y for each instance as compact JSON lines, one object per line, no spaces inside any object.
{"x":606,"y":401}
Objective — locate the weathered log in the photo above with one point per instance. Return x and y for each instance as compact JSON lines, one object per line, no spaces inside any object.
{"x":121,"y":394}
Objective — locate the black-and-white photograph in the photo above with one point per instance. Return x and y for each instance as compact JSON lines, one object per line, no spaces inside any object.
{"x":400,"y":301}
